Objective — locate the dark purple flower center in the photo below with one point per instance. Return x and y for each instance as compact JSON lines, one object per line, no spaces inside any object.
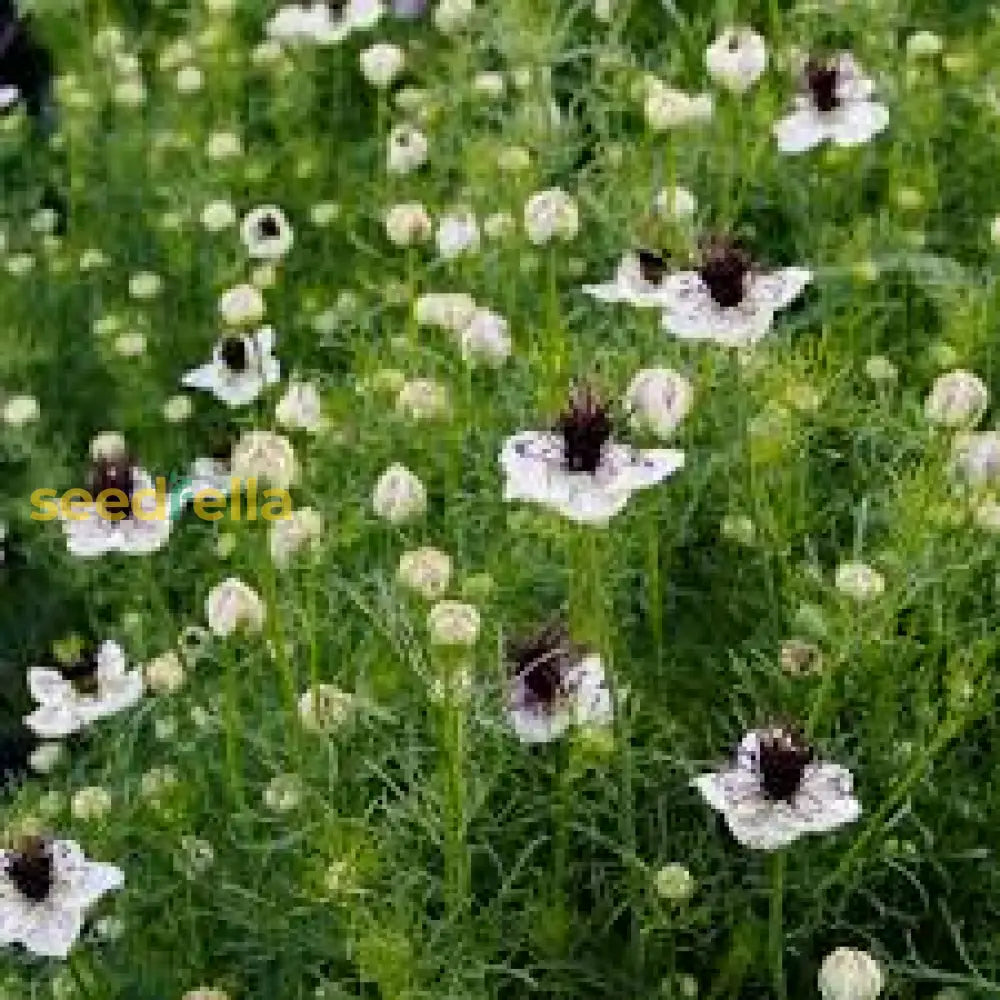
{"x":113,"y":472}
{"x":782,"y":758}
{"x":724,"y":270}
{"x":822,"y":82}
{"x":541,"y":663}
{"x":233,"y":352}
{"x":82,"y":672}
{"x":585,"y":427}
{"x":31,"y":869}
{"x":652,"y":266}
{"x":268,"y":227}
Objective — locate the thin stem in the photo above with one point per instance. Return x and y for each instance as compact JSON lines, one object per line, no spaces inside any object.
{"x":456,"y":857}
{"x":776,"y":926}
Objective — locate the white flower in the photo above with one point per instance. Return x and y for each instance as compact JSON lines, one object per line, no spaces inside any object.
{"x":323,"y":23}
{"x":20,"y":410}
{"x":241,"y":366}
{"x":408,"y":150}
{"x":189,"y":80}
{"x":849,"y":974}
{"x":957,"y":400}
{"x":288,"y":535}
{"x":775,"y":792}
{"x":145,"y":285}
{"x":452,"y":623}
{"x":131,"y":344}
{"x":638,"y":281}
{"x":725,"y":301}
{"x":486,"y":339}
{"x":881,"y":370}
{"x":164,"y":674}
{"x":859,"y":581}
{"x":46,"y":888}
{"x":98,"y":685}
{"x":324,"y":708}
{"x":498,"y":225}
{"x":90,"y":803}
{"x":242,"y":305}
{"x":674,"y":883}
{"x":422,"y":399}
{"x":451,"y":16}
{"x":232,"y":605}
{"x":301,"y":407}
{"x":677,"y":202}
{"x":666,"y":107}
{"x":265,"y":456}
{"x":283,"y":793}
{"x":838,"y":107}
{"x":177,"y":409}
{"x":382,"y":63}
{"x":976,"y":458}
{"x":553,"y":686}
{"x":923,"y":43}
{"x":737,"y":59}
{"x":450,"y":310}
{"x":550,"y":215}
{"x":408,"y":224}
{"x":267,"y":233}
{"x":457,"y":233}
{"x":218,"y":215}
{"x":399,"y":495}
{"x":45,"y":757}
{"x":658,"y":399}
{"x":581,"y":473}
{"x":426,"y":571}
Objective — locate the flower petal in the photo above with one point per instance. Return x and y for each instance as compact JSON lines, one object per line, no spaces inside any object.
{"x":802,"y":130}
{"x":54,"y":721}
{"x":780,"y":289}
{"x":857,"y":122}
{"x":48,"y":686}
{"x":51,"y":932}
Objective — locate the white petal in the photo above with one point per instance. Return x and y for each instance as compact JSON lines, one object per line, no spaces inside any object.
{"x":81,"y":883}
{"x":111,"y":662}
{"x":636,"y":470}
{"x":825,"y":800}
{"x":204,"y":377}
{"x":240,"y":388}
{"x":727,"y":789}
{"x":803,"y":129}
{"x":857,"y":122}
{"x":48,"y":686}
{"x":532,"y":726}
{"x":764,"y":826}
{"x":591,"y":695}
{"x":270,"y":371}
{"x":15,"y":912}
{"x":703,"y":319}
{"x":8,"y":97}
{"x":629,"y":286}
{"x":51,"y":932}
{"x":53,"y":721}
{"x":91,"y":537}
{"x":142,"y":537}
{"x":780,"y":289}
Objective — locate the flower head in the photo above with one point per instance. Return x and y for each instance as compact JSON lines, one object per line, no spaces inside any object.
{"x":267,"y":233}
{"x":231,"y":606}
{"x":637,"y":280}
{"x":399,"y":495}
{"x":323,"y":22}
{"x":301,"y":407}
{"x":302,"y":529}
{"x":486,"y":339}
{"x":426,"y":571}
{"x":242,"y":305}
{"x":658,"y":399}
{"x":737,"y":59}
{"x":452,"y":623}
{"x":382,"y":63}
{"x":408,"y":150}
{"x":957,"y":399}
{"x":776,"y":791}
{"x":849,"y":974}
{"x":408,"y":224}
{"x":859,"y":581}
{"x":265,"y":456}
{"x":550,"y":215}
{"x":241,"y":366}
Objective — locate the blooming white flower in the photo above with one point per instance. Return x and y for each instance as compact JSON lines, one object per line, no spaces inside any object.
{"x":957,"y":400}
{"x":324,"y":708}
{"x":450,"y":310}
{"x":452,"y":623}
{"x":90,"y":803}
{"x":837,"y":107}
{"x":725,"y":301}
{"x":658,"y":399}
{"x":859,"y":581}
{"x":737,"y":59}
{"x":399,"y":495}
{"x":241,"y":366}
{"x":408,"y":150}
{"x":382,"y":63}
{"x":321,"y":23}
{"x":849,"y":974}
{"x":976,"y":458}
{"x":99,"y":684}
{"x":242,"y":305}
{"x":267,"y":233}
{"x":46,"y":888}
{"x":422,"y":399}
{"x":677,"y":202}
{"x":579,"y":471}
{"x":674,"y":883}
{"x":233,"y":605}
{"x":265,"y":456}
{"x":426,"y":571}
{"x":301,"y":407}
{"x":218,"y":215}
{"x":20,"y":410}
{"x":407,"y":224}
{"x":486,"y":339}
{"x":667,"y":107}
{"x":164,"y":674}
{"x":554,"y":685}
{"x":638,"y":281}
{"x":288,"y":535}
{"x":549,"y":215}
{"x":457,"y":233}
{"x":775,"y":792}
{"x":451,"y":16}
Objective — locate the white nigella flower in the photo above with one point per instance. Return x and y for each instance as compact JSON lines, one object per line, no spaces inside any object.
{"x":976,"y":458}
{"x":266,"y":457}
{"x":324,"y":708}
{"x":97,"y":685}
{"x":837,"y":106}
{"x":859,"y":581}
{"x":450,"y":310}
{"x":486,"y":339}
{"x":737,"y":59}
{"x":323,"y":23}
{"x":637,"y":281}
{"x":553,"y":685}
{"x":399,"y":495}
{"x":131,"y":517}
{"x":549,"y":215}
{"x":426,"y":571}
{"x":725,"y":301}
{"x":957,"y":400}
{"x":241,"y":366}
{"x":46,"y":888}
{"x":408,"y":150}
{"x":453,"y":623}
{"x":242,"y":305}
{"x":457,"y":233}
{"x":776,"y":792}
{"x":577,"y":470}
{"x":849,"y":974}
{"x":233,"y":605}
{"x":267,"y":233}
{"x":666,"y":107}
{"x":453,"y":15}
{"x":287,"y":536}
{"x":301,"y":407}
{"x":422,"y":399}
{"x":407,"y":224}
{"x":382,"y":63}
{"x":658,"y":399}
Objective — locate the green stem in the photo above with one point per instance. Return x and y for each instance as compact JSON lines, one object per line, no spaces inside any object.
{"x":456,"y":858}
{"x":233,"y":726}
{"x":776,"y":926}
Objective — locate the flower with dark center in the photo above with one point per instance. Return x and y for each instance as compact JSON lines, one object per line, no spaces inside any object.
{"x":638,"y":281}
{"x":822,"y":82}
{"x":113,"y":473}
{"x":724,"y":270}
{"x":268,"y":227}
{"x":267,"y":233}
{"x":234,"y":354}
{"x":542,"y":663}
{"x":31,"y":869}
{"x":24,"y":63}
{"x":652,"y":266}
{"x":782,"y":758}
{"x":586,"y":428}
{"x":82,"y":672}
